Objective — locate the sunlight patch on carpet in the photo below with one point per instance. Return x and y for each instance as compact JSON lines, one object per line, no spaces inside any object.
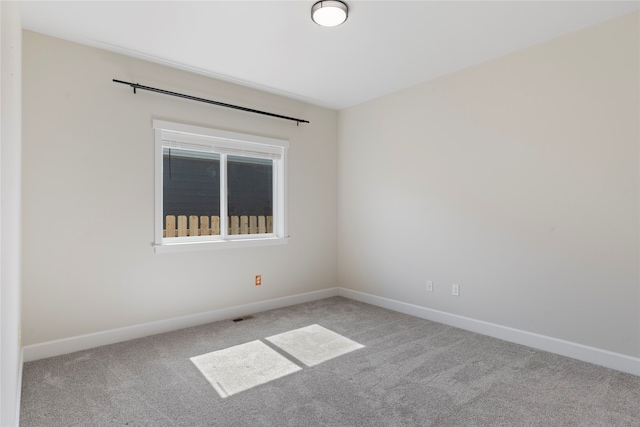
{"x":242,"y":367}
{"x":314,"y":344}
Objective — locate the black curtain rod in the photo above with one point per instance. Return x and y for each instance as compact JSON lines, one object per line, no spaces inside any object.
{"x":208,"y":101}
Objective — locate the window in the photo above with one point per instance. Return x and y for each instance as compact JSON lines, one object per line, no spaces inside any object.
{"x":217,"y":189}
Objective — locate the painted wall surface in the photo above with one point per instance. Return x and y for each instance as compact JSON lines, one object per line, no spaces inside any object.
{"x":89,"y":205}
{"x":10,"y":193}
{"x":516,"y":179}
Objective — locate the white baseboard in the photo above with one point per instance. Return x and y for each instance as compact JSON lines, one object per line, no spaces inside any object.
{"x":84,"y":342}
{"x":585,"y":353}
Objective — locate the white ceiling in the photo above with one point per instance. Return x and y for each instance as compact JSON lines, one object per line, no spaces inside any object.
{"x":273,"y":45}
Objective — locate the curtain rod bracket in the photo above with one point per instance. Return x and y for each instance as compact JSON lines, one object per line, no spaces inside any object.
{"x":208,"y":101}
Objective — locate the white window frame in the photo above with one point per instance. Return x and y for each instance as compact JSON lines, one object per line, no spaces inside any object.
{"x":196,"y":138}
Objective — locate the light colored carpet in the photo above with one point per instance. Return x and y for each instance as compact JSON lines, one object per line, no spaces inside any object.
{"x":242,"y":367}
{"x":314,"y":344}
{"x":408,"y":372}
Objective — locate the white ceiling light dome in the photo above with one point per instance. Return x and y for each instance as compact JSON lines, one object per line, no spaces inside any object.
{"x":329,"y":13}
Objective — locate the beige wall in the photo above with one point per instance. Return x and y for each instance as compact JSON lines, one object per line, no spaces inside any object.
{"x":516,"y":179}
{"x":88,"y":195}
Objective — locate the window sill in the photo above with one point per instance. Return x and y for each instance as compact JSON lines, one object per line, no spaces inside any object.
{"x":220,"y":244}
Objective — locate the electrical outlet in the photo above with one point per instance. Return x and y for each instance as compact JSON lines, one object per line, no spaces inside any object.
{"x":455,"y":290}
{"x":429,"y":286}
{"x":258,"y":279}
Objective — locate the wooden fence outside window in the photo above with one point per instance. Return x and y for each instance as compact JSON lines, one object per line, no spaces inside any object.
{"x":194,"y":225}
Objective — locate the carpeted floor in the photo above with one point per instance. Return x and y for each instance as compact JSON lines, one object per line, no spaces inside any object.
{"x":399,"y":371}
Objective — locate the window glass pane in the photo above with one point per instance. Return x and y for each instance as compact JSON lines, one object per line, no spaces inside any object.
{"x":249,"y":195}
{"x":191,"y":187}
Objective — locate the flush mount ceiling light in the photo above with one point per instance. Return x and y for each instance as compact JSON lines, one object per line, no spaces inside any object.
{"x":329,"y":13}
